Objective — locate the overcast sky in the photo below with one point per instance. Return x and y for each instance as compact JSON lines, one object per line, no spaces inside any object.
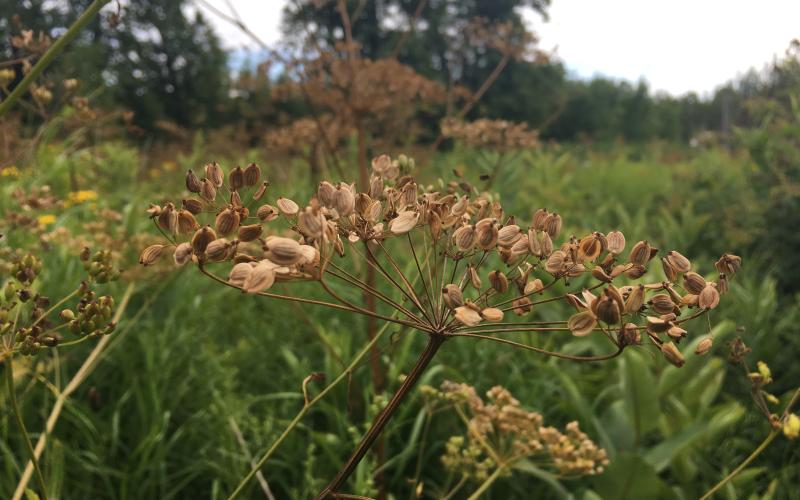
{"x":676,"y":46}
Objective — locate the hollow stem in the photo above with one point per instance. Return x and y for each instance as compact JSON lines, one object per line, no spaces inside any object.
{"x":12,"y":397}
{"x":435,"y":341}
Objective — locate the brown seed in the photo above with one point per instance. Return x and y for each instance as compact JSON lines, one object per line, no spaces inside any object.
{"x":640,"y":253}
{"x":539,"y":217}
{"x":452,"y":296}
{"x":474,"y":279}
{"x":343,"y":200}
{"x":676,"y":333}
{"x":486,"y":234}
{"x":283,"y":251}
{"x":582,"y":323}
{"x":607,"y":310}
{"x":266,"y":213}
{"x":508,"y":235}
{"x":629,"y":335}
{"x":534,"y":245}
{"x":151,"y":254}
{"x":202,"y":237}
{"x":287,"y":207}
{"x":635,"y":271}
{"x":492,"y":314}
{"x":217,"y":250}
{"x":193,"y":184}
{"x":260,"y":278}
{"x":326,"y":193}
{"x":236,"y":178}
{"x":312,"y":224}
{"x":690,"y":300}
{"x":522,"y":306}
{"x":208,"y":191}
{"x":693,"y":283}
{"x":168,"y":218}
{"x":193,"y":205}
{"x":404,"y":222}
{"x":672,"y":354}
{"x":464,"y":237}
{"x":704,"y":346}
{"x":499,"y":281}
{"x":250,"y":232}
{"x":680,"y":263}
{"x":552,"y":225}
{"x":467,"y":316}
{"x":259,"y":193}
{"x":556,"y":263}
{"x":183,"y":253}
{"x":616,"y":242}
{"x":709,"y":297}
{"x":589,"y":248}
{"x":669,"y":271}
{"x":599,"y":274}
{"x":215,"y":174}
{"x":533,"y":286}
{"x":186,"y":222}
{"x":239,"y":273}
{"x":657,"y":325}
{"x":376,"y":187}
{"x":227,"y":221}
{"x":662,"y":303}
{"x":728,"y":264}
{"x":251,"y":175}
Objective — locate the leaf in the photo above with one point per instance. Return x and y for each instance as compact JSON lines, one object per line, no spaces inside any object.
{"x":637,"y":389}
{"x":629,"y":477}
{"x":527,"y":467}
{"x":30,"y":494}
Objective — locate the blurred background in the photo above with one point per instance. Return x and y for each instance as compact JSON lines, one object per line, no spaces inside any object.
{"x":677,"y":123}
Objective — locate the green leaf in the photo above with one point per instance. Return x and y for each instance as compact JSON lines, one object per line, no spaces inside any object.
{"x":641,"y":399}
{"x":629,"y":477}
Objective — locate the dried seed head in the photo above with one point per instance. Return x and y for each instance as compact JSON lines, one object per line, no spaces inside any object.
{"x":657,"y":325}
{"x":539,"y":217}
{"x":607,"y":310}
{"x":492,"y":314}
{"x":508,"y":235}
{"x":499,"y":281}
{"x":236,"y":178}
{"x":728,"y":264}
{"x":260,"y":278}
{"x":249,"y":232}
{"x":151,"y":254}
{"x":522,"y":306}
{"x":486,"y":233}
{"x":183,"y":253}
{"x":662,"y":303}
{"x":287,"y":206}
{"x":202,"y":237}
{"x":672,"y":354}
{"x":404,"y":222}
{"x":325,"y":194}
{"x":464,"y":237}
{"x":629,"y":335}
{"x":533,"y":286}
{"x":193,"y":205}
{"x":266,"y":213}
{"x":635,"y":271}
{"x":208,"y":191}
{"x":168,"y":219}
{"x":693,"y":283}
{"x":459,"y":208}
{"x":343,"y":200}
{"x":375,"y":187}
{"x":283,"y":251}
{"x":259,"y":193}
{"x":552,"y":225}
{"x":589,"y":248}
{"x":616,"y":242}
{"x":239,"y":273}
{"x":474,"y":279}
{"x":722,"y":284}
{"x":153,"y":211}
{"x":215,"y":174}
{"x":599,"y":274}
{"x":193,"y":184}
{"x":251,"y":175}
{"x":556,"y":263}
{"x":640,"y":253}
{"x":669,"y":271}
{"x":312,"y":224}
{"x":582,"y":323}
{"x":186,"y":222}
{"x":546,"y":245}
{"x":709,"y":297}
{"x":217,"y":250}
{"x":226,"y":221}
{"x":452,"y":296}
{"x":467,"y":316}
{"x":678,"y":262}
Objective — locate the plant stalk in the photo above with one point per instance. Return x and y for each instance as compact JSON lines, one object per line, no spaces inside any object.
{"x":435,"y":341}
{"x":51,"y":55}
{"x":486,"y":484}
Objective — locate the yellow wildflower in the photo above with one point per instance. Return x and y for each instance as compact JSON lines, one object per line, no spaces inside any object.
{"x":78,"y":197}
{"x":765,"y":372}
{"x":11,"y":171}
{"x":791,"y":426}
{"x":46,"y":219}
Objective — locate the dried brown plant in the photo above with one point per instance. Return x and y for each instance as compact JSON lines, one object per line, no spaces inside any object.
{"x":478,"y":273}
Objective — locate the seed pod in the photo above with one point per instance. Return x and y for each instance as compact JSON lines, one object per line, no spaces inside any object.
{"x":217,"y":250}
{"x":474,"y":279}
{"x":669,"y":271}
{"x":533,"y":286}
{"x":582,"y":323}
{"x":215,"y":174}
{"x":376,"y":188}
{"x":287,"y":206}
{"x":722,"y":284}
{"x":704,"y":346}
{"x":283,"y":251}
{"x":186,"y":222}
{"x":408,"y":195}
{"x":546,"y":244}
{"x":728,"y":264}
{"x":522,"y":306}
{"x":640,"y":253}
{"x":464,"y":237}
{"x":599,"y":274}
{"x":259,"y":193}
{"x":459,"y":208}
{"x":616,"y":242}
{"x":709,"y":297}
{"x":208,"y":191}
{"x":343,"y":200}
{"x":499,"y":281}
{"x":183,"y":253}
{"x":589,"y":248}
{"x":508,"y":235}
{"x":202,"y":237}
{"x":251,"y":175}
{"x":693,"y":283}
{"x":629,"y":335}
{"x":311,"y":224}
{"x":168,"y":219}
{"x":150,"y":254}
{"x":662,"y":303}
{"x":635,"y":271}
{"x":266,"y":213}
{"x":153,"y":211}
{"x":193,"y":184}
{"x":672,"y":354}
{"x":556,"y":263}
{"x":492,"y":314}
{"x":452,"y":296}
{"x":486,"y":233}
{"x":467,"y":316}
{"x":678,"y":262}
{"x":552,"y":225}
{"x":404,"y":222}
{"x":250,"y":232}
{"x":657,"y":325}
{"x":226,"y":221}
{"x":239,"y":273}
{"x":676,"y":333}
{"x":236,"y":178}
{"x":326,"y":193}
{"x":192,"y":205}
{"x":260,"y":278}
{"x":539,"y":217}
{"x":607,"y":310}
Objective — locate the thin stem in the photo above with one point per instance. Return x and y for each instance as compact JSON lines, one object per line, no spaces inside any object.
{"x":421,"y":276}
{"x":306,"y":408}
{"x":51,"y":55}
{"x":486,"y":484}
{"x":407,"y":283}
{"x":12,"y":397}
{"x":363,"y":286}
{"x":383,"y":418}
{"x":772,"y":435}
{"x":540,"y":351}
{"x":55,"y":306}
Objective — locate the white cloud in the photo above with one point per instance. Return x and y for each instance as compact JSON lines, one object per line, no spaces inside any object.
{"x":676,"y":46}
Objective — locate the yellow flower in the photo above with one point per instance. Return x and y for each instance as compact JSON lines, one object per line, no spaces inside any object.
{"x":77,"y":197}
{"x":46,"y":220}
{"x":791,"y":426}
{"x":765,"y":372}
{"x":11,"y":171}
